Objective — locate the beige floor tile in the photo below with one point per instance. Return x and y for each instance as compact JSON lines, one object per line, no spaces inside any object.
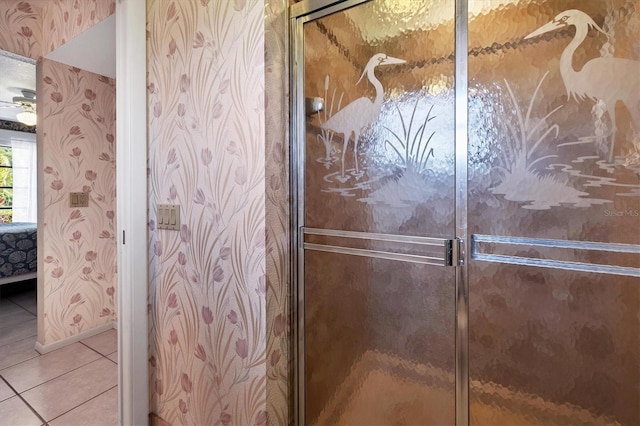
{"x":100,"y":411}
{"x":33,"y":372}
{"x":17,"y":352}
{"x":67,"y":392}
{"x":113,"y":357}
{"x":14,"y":411}
{"x":27,"y":300}
{"x":8,"y":309}
{"x":19,"y":332}
{"x":5,"y":391}
{"x":10,"y":321}
{"x":106,"y":343}
{"x":4,"y":299}
{"x":32,"y":308}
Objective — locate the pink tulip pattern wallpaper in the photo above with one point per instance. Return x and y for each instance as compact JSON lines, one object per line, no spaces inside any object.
{"x":35,"y":28}
{"x":208,"y":306}
{"x":277,"y":214}
{"x":21,"y":28}
{"x":65,"y":19}
{"x":77,"y":246}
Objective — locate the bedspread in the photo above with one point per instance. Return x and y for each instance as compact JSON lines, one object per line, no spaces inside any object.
{"x":18,"y":249}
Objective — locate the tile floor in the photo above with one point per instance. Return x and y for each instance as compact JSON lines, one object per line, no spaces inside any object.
{"x":74,"y":385}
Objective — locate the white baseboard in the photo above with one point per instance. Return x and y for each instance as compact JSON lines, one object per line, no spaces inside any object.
{"x":43,"y":349}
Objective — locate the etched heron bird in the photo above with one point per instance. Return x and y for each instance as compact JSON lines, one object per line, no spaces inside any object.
{"x":607,"y":79}
{"x":356,"y":116}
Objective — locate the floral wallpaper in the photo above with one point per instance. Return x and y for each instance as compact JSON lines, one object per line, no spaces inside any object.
{"x":277,"y":215}
{"x":35,"y":28}
{"x":76,"y":246}
{"x":208,"y":284}
{"x":21,"y":28}
{"x":65,"y":19}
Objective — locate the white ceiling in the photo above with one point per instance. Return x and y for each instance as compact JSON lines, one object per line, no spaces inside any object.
{"x":94,"y":50}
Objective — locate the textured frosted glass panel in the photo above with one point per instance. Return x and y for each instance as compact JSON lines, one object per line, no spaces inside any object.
{"x":385,"y":72}
{"x":379,"y":341}
{"x":379,"y":156}
{"x":554,"y":120}
{"x":553,"y":347}
{"x":554,"y":154}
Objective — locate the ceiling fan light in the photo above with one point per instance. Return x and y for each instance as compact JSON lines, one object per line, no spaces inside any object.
{"x":27,"y":118}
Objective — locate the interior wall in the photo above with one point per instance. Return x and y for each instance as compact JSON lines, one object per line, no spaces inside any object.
{"x":36,"y":28}
{"x":65,"y":19}
{"x":277,"y":214}
{"x":76,"y":246}
{"x":208,"y":322}
{"x":21,"y":28}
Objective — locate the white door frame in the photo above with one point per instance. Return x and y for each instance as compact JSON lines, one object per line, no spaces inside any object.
{"x":131,"y":125}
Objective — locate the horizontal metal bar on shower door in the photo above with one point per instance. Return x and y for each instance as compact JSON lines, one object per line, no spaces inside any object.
{"x":428,"y":241}
{"x":559,"y":264}
{"x":569,"y":244}
{"x":412,"y":258}
{"x":574,"y":248}
{"x":444,"y":252}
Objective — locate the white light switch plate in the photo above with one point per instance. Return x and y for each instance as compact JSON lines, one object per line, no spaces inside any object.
{"x":168,"y":216}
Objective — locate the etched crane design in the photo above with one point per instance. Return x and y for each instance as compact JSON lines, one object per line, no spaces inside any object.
{"x":356,"y":116}
{"x":607,"y":79}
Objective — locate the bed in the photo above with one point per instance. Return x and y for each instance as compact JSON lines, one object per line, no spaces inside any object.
{"x":18,"y":252}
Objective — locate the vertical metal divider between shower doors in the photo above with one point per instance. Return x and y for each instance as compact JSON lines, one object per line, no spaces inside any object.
{"x":459,"y":248}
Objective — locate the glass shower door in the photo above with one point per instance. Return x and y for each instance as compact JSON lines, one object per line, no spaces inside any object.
{"x":538,"y":322}
{"x":376,"y":262}
{"x":554,"y":209}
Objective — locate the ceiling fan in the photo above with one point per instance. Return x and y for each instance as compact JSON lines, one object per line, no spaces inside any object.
{"x":27,"y":102}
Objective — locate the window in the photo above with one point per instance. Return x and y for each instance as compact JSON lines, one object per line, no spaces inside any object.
{"x":6,"y":184}
{"x":18,"y":176}
{"x":24,"y":203}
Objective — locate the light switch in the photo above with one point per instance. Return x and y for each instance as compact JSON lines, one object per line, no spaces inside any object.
{"x":168,"y":216}
{"x":78,"y":199}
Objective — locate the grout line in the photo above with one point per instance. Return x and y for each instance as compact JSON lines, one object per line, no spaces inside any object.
{"x":107,"y":357}
{"x":30,"y":295}
{"x":58,"y":376}
{"x":21,"y":307}
{"x":20,"y":340}
{"x":95,"y":350}
{"x":101,"y":354}
{"x":44,"y":422}
{"x":79,"y":405}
